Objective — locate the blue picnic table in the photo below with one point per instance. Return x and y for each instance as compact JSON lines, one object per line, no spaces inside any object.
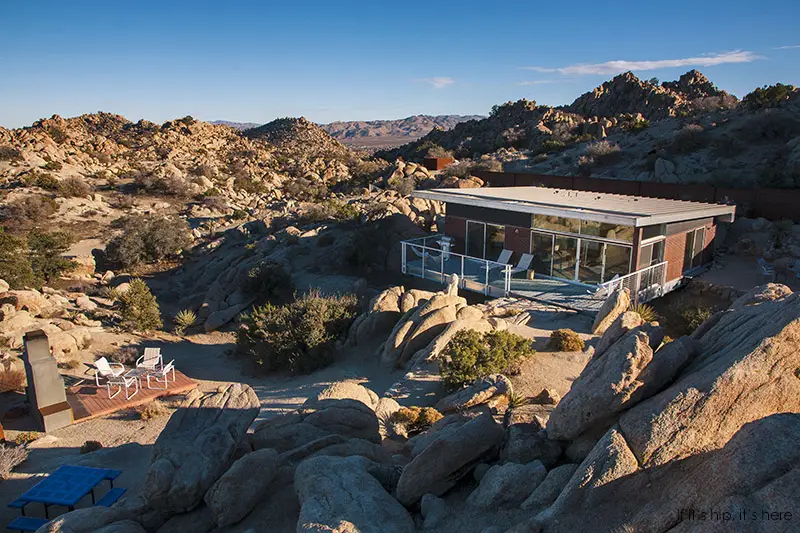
{"x":66,"y":486}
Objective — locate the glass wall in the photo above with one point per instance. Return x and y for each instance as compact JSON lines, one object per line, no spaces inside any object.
{"x":618,"y":261}
{"x":542,"y":251}
{"x":565,"y":257}
{"x":485,"y":240}
{"x":495,"y":241}
{"x":591,"y":264}
{"x":693,"y":252}
{"x":607,"y":231}
{"x":651,"y":254}
{"x":475,"y":235}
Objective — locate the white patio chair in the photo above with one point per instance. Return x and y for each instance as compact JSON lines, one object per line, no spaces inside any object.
{"x":126,"y":382}
{"x":162,"y":376}
{"x":524,"y":264}
{"x":767,"y":270}
{"x":503,"y":258}
{"x":107,"y":370}
{"x":151,"y":359}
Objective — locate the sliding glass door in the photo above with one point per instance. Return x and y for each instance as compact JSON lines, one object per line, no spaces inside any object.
{"x":591,"y":262}
{"x":583,"y":260}
{"x":693,"y":252}
{"x":542,"y":251}
{"x":565,"y":257}
{"x":485,"y":241}
{"x":476,"y":232}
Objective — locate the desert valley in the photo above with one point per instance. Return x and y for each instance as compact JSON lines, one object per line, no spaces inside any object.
{"x":324,"y":385}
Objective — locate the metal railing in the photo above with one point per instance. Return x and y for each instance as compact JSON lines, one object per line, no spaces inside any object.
{"x":644,"y":284}
{"x":434,"y":263}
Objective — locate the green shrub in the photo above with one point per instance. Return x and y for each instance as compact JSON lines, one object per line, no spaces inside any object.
{"x":768,"y":96}
{"x":298,"y":336}
{"x":646,"y":312}
{"x":269,"y":281}
{"x":470,"y":356}
{"x":147,"y":239}
{"x":15,"y":267}
{"x":331,"y":209}
{"x":694,"y":316}
{"x":515,"y":399}
{"x":46,"y":253}
{"x":565,"y":340}
{"x":415,"y":419}
{"x":9,"y":153}
{"x":552,"y":145}
{"x":184,"y":319}
{"x":74,"y":187}
{"x":139,"y":308}
{"x":91,"y":446}
{"x":638,"y":124}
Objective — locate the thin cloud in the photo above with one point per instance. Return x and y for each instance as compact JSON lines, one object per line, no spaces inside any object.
{"x":439,"y":82}
{"x":615,"y":67}
{"x":790,"y":47}
{"x":542,"y":82}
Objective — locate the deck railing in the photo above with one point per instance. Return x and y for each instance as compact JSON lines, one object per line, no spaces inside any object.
{"x":644,"y":284}
{"x":425,"y":258}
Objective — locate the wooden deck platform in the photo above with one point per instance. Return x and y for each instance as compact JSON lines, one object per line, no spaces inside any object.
{"x":88,"y":401}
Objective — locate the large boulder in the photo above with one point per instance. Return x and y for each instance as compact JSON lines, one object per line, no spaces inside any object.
{"x":617,"y":303}
{"x":25,"y":300}
{"x":196,"y":447}
{"x":88,"y":520}
{"x":347,"y":390}
{"x":242,"y":486}
{"x":616,"y":381}
{"x":449,"y":458}
{"x":507,"y":485}
{"x":338,"y":495}
{"x":480,"y":392}
{"x":526,"y":442}
{"x":549,"y":489}
{"x":621,"y":325}
{"x":382,"y":314}
{"x":351,"y":418}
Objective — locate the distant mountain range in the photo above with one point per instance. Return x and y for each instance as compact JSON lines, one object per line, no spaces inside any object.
{"x":377,"y":134}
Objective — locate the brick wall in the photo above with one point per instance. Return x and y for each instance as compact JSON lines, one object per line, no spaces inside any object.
{"x":710,"y":243}
{"x":518,"y":240}
{"x":674,"y":248}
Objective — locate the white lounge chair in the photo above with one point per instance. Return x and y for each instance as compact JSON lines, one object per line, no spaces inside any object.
{"x":767,"y":270}
{"x":151,"y":359}
{"x":503,"y":259}
{"x":161,"y":376}
{"x":605,"y":289}
{"x":524,"y":264}
{"x":107,"y":370}
{"x":113,"y":373}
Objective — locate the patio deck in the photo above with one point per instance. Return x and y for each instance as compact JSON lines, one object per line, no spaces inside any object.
{"x":88,"y":401}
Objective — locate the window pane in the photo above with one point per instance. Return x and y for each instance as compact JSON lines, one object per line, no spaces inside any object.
{"x":475,"y":239}
{"x":607,"y":231}
{"x":651,"y":254}
{"x":591,"y":262}
{"x":565,"y":254}
{"x":688,"y":251}
{"x":542,"y":250}
{"x":553,"y":223}
{"x":653,"y":231}
{"x":618,"y":261}
{"x":495,"y":241}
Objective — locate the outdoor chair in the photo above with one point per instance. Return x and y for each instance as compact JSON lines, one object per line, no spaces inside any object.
{"x":524,"y":264}
{"x":605,"y":289}
{"x":767,"y":270}
{"x":123,"y":382}
{"x":151,"y":359}
{"x":162,"y":376}
{"x":107,"y":370}
{"x":503,"y":258}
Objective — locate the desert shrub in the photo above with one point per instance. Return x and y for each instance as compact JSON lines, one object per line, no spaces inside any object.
{"x":147,"y":239}
{"x":645,"y":312}
{"x":10,"y":457}
{"x":214,"y":202}
{"x":771,"y":125}
{"x":688,"y":139}
{"x":431,"y":149}
{"x":206,"y":171}
{"x":239,"y":214}
{"x":152,"y":410}
{"x":139,"y":308}
{"x":694,"y":316}
{"x":637,"y":124}
{"x":58,"y":135}
{"x":52,"y":165}
{"x":552,"y":146}
{"x":126,"y":355}
{"x":26,"y":437}
{"x":305,"y":189}
{"x":603,"y":152}
{"x":28,"y":211}
{"x":367,"y":170}
{"x":184,"y":319}
{"x":45,"y":180}
{"x":768,"y":96}
{"x":15,"y":267}
{"x":470,"y":356}
{"x":248,"y":183}
{"x":74,"y":187}
{"x":299,"y":336}
{"x":515,"y":399}
{"x":415,"y":419}
{"x":9,"y":153}
{"x":72,"y":364}
{"x":91,"y":446}
{"x":331,"y":209}
{"x":46,"y":253}
{"x":269,"y":281}
{"x":12,"y":380}
{"x":565,"y":340}
{"x":404,"y":185}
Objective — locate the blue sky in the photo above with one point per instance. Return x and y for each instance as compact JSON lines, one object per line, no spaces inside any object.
{"x":255,"y":61}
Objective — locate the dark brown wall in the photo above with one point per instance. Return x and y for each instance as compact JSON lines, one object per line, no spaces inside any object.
{"x":484,"y":214}
{"x":457,"y":228}
{"x":673,"y":254}
{"x":772,"y":204}
{"x":518,"y":240}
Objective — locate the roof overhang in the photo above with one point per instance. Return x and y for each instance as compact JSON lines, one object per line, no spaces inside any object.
{"x":692,"y":211}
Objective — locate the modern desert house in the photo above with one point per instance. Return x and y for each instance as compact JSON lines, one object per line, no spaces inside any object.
{"x":565,"y":246}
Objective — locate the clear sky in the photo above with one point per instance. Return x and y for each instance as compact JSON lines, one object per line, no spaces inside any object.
{"x":253,"y":61}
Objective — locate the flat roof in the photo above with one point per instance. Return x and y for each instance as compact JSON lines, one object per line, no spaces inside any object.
{"x":619,"y":209}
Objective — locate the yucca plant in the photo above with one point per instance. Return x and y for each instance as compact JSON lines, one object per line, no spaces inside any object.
{"x":184,"y":319}
{"x":647,"y":313}
{"x":516,"y":399}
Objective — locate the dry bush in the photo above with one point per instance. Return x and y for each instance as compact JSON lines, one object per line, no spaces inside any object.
{"x":771,"y":125}
{"x":91,"y":446}
{"x":565,"y":340}
{"x":604,"y":152}
{"x":12,"y":380}
{"x":10,"y":457}
{"x":126,"y":355}
{"x":28,"y":211}
{"x":74,"y":187}
{"x":9,"y":153}
{"x":415,"y":419}
{"x":688,"y":139}
{"x":26,"y":437}
{"x":152,"y":410}
{"x":72,"y":364}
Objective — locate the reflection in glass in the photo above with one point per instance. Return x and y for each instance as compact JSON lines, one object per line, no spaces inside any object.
{"x":542,"y":250}
{"x":607,"y":231}
{"x":554,"y":223}
{"x":651,"y":254}
{"x":618,"y":261}
{"x":591,"y":264}
{"x":495,"y":241}
{"x":475,"y":236}
{"x":565,"y":256}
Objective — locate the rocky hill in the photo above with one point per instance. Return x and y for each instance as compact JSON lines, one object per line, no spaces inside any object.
{"x":374,"y":134}
{"x":241,"y":126}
